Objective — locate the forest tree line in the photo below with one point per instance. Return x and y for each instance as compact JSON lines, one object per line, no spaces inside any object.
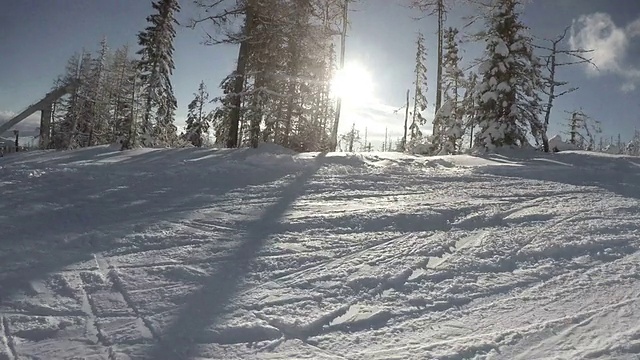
{"x":280,"y":90}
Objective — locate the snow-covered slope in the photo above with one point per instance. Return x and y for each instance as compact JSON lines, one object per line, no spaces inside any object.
{"x":265,"y":254}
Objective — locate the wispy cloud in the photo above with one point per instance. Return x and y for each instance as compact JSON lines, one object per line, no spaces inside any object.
{"x":27,"y":127}
{"x":610,"y":44}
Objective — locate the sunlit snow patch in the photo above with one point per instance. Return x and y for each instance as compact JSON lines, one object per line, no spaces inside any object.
{"x":360,"y":316}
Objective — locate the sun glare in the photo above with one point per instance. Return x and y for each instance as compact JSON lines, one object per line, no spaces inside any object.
{"x":353,"y":84}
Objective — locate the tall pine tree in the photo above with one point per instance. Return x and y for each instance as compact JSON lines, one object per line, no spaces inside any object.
{"x":198,"y":119}
{"x":508,"y":104}
{"x":156,"y":66}
{"x":452,"y":79}
{"x":420,"y":83}
{"x":439,"y":9}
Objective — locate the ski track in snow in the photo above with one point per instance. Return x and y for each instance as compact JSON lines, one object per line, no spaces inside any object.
{"x":267,"y":254}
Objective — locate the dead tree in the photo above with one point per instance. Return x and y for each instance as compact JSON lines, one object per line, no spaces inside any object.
{"x":555,"y":58}
{"x":439,"y":9}
{"x":343,"y":42}
{"x":582,"y":130}
{"x":406,"y":122}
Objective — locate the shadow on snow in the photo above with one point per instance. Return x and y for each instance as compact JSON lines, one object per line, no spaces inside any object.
{"x":203,"y":308}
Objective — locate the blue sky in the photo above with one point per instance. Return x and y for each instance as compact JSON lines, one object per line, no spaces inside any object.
{"x":38,"y":36}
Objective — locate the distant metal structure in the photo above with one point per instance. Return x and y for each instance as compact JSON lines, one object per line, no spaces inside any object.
{"x":46,"y":107}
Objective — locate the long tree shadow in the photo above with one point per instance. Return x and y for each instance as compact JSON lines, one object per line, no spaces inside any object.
{"x":204,"y":308}
{"x":57,"y":220}
{"x":100,"y":155}
{"x":618,"y":175}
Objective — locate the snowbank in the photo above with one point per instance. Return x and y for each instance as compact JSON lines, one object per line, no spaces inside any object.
{"x":557,"y":144}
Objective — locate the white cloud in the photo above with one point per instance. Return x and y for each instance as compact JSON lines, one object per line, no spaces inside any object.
{"x":27,"y":127}
{"x":628,"y":87}
{"x":610,"y":44}
{"x":6,"y":115}
{"x":633,"y":29}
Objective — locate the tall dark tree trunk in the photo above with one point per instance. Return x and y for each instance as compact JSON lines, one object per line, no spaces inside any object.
{"x":256,"y":116}
{"x":343,"y":41}
{"x":238,"y":88}
{"x":406,"y":122}
{"x":130,"y":142}
{"x":441,"y":14}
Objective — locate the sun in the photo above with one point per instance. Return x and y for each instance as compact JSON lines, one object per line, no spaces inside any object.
{"x":353,"y":84}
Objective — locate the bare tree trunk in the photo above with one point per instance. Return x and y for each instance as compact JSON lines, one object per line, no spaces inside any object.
{"x":238,"y":87}
{"x":437,"y":136}
{"x":552,"y":88}
{"x":440,"y":11}
{"x":352,"y":137}
{"x":289,"y":113}
{"x":130,"y":142}
{"x":386,"y":139}
{"x":256,"y":118}
{"x":575,"y":57}
{"x":343,"y":41}
{"x":366,"y":130}
{"x":406,"y":123}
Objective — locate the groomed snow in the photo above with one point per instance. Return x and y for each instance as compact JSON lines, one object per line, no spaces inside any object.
{"x":268,"y":254}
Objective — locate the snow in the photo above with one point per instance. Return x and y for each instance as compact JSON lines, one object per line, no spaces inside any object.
{"x":268,"y":254}
{"x":503,"y":87}
{"x":557,"y":144}
{"x":489,"y":96}
{"x":501,"y":47}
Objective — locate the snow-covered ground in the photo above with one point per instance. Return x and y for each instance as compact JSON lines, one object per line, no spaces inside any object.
{"x":265,"y":254}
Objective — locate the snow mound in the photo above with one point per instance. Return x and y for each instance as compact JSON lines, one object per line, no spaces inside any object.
{"x":272,"y":148}
{"x":557,"y":144}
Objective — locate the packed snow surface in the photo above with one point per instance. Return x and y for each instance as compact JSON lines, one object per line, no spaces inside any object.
{"x":268,"y":254}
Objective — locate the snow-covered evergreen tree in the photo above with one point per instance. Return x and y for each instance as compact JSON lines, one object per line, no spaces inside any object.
{"x":221,"y":115}
{"x":98,"y":98}
{"x":451,"y":112}
{"x":508,"y":104}
{"x":419,"y":97}
{"x":124,"y":94}
{"x":633,"y":147}
{"x":198,"y":119}
{"x":103,"y":107}
{"x":76,"y":106}
{"x":156,"y":67}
